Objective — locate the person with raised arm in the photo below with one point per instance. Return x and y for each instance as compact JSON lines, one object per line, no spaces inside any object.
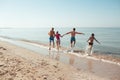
{"x":73,"y":34}
{"x":57,"y":35}
{"x":90,"y":43}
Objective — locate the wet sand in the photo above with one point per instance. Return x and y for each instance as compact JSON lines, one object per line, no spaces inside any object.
{"x":17,"y":63}
{"x":97,"y":67}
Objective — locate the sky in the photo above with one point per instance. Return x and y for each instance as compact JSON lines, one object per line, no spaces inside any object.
{"x":59,"y":13}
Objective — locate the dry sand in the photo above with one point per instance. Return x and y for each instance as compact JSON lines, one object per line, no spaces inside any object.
{"x":18,"y":63}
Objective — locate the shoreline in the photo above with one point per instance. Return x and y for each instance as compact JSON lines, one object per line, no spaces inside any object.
{"x":19,"y":63}
{"x":37,"y":59}
{"x":99,"y":55}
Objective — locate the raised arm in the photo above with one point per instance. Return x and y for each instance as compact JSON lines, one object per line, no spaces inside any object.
{"x":97,"y":40}
{"x":79,"y":33}
{"x":61,"y":35}
{"x":66,"y":33}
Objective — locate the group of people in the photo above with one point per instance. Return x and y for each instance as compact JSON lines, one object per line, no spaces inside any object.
{"x":73,"y":33}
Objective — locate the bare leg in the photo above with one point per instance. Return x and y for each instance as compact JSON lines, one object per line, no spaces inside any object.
{"x":74,"y":44}
{"x":57,"y":45}
{"x":71,"y":44}
{"x":50,"y":45}
{"x":53,"y":44}
{"x":90,"y":49}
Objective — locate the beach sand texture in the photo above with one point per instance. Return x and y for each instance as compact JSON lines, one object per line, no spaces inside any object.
{"x":18,"y":63}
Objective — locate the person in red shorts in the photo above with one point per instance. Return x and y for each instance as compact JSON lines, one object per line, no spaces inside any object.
{"x":57,"y":35}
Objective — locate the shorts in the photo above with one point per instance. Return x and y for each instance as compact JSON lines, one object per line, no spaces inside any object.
{"x":91,"y":44}
{"x":51,"y":38}
{"x":72,"y":39}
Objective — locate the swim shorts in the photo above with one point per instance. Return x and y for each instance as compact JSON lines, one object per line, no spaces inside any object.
{"x":91,"y":44}
{"x":51,"y":38}
{"x":72,"y":39}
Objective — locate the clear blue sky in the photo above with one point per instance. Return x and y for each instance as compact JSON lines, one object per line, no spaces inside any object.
{"x":60,"y":13}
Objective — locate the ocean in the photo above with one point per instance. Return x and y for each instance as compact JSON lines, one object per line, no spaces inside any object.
{"x":108,"y":37}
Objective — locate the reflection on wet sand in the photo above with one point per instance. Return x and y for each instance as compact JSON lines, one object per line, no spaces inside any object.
{"x":54,"y":55}
{"x":51,"y":55}
{"x":99,"y":68}
{"x":71,"y":59}
{"x":90,"y":65}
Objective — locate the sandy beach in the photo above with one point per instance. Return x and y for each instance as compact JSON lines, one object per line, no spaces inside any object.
{"x":17,"y":63}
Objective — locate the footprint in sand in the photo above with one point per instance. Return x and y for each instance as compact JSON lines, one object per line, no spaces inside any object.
{"x":45,"y":76}
{"x":3,"y":48}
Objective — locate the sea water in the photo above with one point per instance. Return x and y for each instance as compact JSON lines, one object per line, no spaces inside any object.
{"x":108,"y":37}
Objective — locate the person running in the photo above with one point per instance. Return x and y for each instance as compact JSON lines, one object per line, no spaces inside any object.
{"x":57,"y":35}
{"x":73,"y":34}
{"x":90,"y":43}
{"x":51,"y":38}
